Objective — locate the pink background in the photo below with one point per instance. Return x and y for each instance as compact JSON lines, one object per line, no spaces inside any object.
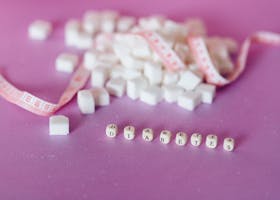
{"x":87,"y":165}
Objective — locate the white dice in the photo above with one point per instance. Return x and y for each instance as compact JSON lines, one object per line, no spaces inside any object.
{"x":129,"y":132}
{"x":189,"y":80}
{"x":151,"y":95}
{"x":228,"y":144}
{"x":189,"y":100}
{"x":148,"y":134}
{"x":211,"y":141}
{"x":116,"y":86}
{"x":181,"y":138}
{"x":111,"y":130}
{"x":207,"y":92}
{"x":39,"y":30}
{"x":101,"y":96}
{"x":58,"y":125}
{"x":86,"y":101}
{"x":196,"y":139}
{"x":165,"y":136}
{"x":66,"y":62}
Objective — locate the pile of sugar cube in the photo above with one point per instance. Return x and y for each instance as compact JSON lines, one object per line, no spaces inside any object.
{"x":165,"y":137}
{"x":123,"y":63}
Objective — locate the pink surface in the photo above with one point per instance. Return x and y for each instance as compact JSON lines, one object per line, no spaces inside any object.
{"x":87,"y":165}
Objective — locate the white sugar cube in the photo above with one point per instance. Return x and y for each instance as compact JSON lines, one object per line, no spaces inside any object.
{"x":153,"y":72}
{"x":39,"y":30}
{"x":111,"y":130}
{"x":58,"y":125}
{"x":103,"y":43}
{"x":86,"y":102}
{"x":66,"y":62}
{"x":135,"y":86}
{"x":165,"y":136}
{"x":189,"y":100}
{"x":211,"y":141}
{"x":71,"y":32}
{"x":152,"y":23}
{"x":90,"y":59}
{"x":117,"y":71}
{"x":148,"y":134}
{"x":129,"y":61}
{"x":207,"y":92}
{"x":116,"y":86}
{"x":181,"y":138}
{"x":140,"y":48}
{"x":108,"y":21}
{"x":171,"y":93}
{"x":228,"y":144}
{"x":129,"y":74}
{"x":170,"y":78}
{"x":99,"y":75}
{"x":196,"y":139}
{"x":85,"y":41}
{"x":189,"y":80}
{"x":151,"y":95}
{"x":129,"y":132}
{"x":91,"y":22}
{"x":101,"y":96}
{"x":125,"y":23}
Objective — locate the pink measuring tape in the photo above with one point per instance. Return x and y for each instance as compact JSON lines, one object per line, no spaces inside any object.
{"x":168,"y":57}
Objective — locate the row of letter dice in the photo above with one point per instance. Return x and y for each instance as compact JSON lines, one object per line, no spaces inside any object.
{"x":181,"y":138}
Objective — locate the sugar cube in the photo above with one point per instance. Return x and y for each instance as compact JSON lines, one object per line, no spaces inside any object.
{"x":101,"y":96}
{"x":71,"y":32}
{"x":66,"y":62}
{"x":58,"y":125}
{"x":172,"y":92}
{"x":151,"y":95}
{"x":125,"y":23}
{"x":91,"y":22}
{"x":153,"y":72}
{"x":116,"y":86}
{"x":189,"y":80}
{"x":99,"y":76}
{"x":207,"y":92}
{"x":189,"y":100}
{"x":170,"y":78}
{"x":39,"y":30}
{"x":135,"y":86}
{"x":86,"y":102}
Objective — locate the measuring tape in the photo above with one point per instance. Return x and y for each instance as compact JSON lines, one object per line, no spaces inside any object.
{"x":169,"y":58}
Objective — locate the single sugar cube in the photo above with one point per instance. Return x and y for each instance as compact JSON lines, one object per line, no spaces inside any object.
{"x":66,"y":62}
{"x":170,"y":78}
{"x":91,"y":22}
{"x":148,"y":134}
{"x":171,"y":93}
{"x":101,"y":96}
{"x":153,"y":72}
{"x":228,"y":144}
{"x":211,"y":141}
{"x":165,"y":136}
{"x":108,"y":21}
{"x":189,"y":100}
{"x":58,"y":125}
{"x":116,"y":86}
{"x":99,"y":76}
{"x":111,"y":130}
{"x":39,"y":30}
{"x":135,"y":86}
{"x":86,"y":102}
{"x":129,"y":74}
{"x":151,"y":95}
{"x":189,"y":80}
{"x":85,"y":41}
{"x":196,"y":139}
{"x":181,"y":138}
{"x":71,"y":32}
{"x":125,"y":23}
{"x":90,"y":59}
{"x":129,"y":132}
{"x":207,"y":92}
